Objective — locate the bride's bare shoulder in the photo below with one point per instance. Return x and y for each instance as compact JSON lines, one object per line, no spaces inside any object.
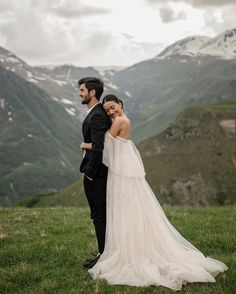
{"x":124,"y":120}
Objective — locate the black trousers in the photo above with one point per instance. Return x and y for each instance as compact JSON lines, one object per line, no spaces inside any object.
{"x":96,"y":195}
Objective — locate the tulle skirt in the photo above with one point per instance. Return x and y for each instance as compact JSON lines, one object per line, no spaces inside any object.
{"x":142,"y":247}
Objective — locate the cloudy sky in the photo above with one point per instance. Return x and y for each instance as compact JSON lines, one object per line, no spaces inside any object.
{"x":106,"y":32}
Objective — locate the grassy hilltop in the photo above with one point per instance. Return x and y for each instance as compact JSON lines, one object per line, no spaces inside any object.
{"x":42,"y":250}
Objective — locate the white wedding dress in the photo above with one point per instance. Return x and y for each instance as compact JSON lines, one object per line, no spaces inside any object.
{"x":142,"y":247}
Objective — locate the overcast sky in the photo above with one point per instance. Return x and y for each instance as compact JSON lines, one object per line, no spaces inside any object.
{"x":106,"y":32}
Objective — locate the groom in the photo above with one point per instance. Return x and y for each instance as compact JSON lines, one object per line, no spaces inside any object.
{"x":94,"y":128}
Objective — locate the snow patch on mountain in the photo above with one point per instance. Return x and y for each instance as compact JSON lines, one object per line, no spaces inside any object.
{"x":188,"y":46}
{"x":128,"y":94}
{"x":40,"y":78}
{"x":32,"y":80}
{"x":223,"y":45}
{"x":55,"y":98}
{"x":110,"y":85}
{"x":71,"y":111}
{"x":62,"y":163}
{"x":108,"y":70}
{"x":58,"y":82}
{"x":66,"y":101}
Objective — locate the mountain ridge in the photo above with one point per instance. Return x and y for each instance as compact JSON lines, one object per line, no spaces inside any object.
{"x":222,"y":46}
{"x":39,"y":141}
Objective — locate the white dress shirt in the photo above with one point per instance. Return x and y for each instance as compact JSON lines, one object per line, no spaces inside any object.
{"x":88,"y":110}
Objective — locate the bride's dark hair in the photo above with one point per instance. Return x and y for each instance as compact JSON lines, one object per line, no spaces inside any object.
{"x":111,"y":97}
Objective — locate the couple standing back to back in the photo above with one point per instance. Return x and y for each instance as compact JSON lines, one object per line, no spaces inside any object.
{"x":137,"y":244}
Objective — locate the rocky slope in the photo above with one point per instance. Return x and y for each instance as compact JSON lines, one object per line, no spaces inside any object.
{"x":193,"y":162}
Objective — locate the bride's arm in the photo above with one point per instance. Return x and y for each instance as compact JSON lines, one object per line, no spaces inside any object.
{"x":116,"y":126}
{"x":86,"y":146}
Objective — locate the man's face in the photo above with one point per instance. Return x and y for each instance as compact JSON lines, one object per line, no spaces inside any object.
{"x":84,"y":94}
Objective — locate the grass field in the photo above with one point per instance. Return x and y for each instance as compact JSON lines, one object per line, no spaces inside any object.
{"x":43,"y":249}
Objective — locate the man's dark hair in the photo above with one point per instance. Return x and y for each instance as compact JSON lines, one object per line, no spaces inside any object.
{"x":93,"y":83}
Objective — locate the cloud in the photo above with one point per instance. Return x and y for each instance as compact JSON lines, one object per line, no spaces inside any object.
{"x":67,"y":31}
{"x":48,"y":41}
{"x":5,"y":6}
{"x":104,"y":47}
{"x":197,"y":3}
{"x":221,"y":20}
{"x":208,"y":3}
{"x":83,"y":33}
{"x":168,"y":15}
{"x":217,"y":15}
{"x":73,"y":9}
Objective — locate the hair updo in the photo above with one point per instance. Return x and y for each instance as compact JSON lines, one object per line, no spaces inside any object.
{"x":111,"y":97}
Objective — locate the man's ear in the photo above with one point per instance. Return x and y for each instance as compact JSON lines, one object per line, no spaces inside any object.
{"x":92,"y":93}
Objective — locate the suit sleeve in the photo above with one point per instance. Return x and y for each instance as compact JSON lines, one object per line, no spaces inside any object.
{"x":98,"y":128}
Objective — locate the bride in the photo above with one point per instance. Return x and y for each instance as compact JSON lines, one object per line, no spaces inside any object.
{"x":141,"y":246}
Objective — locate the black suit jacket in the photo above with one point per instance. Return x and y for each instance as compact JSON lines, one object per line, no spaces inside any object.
{"x":95,"y":125}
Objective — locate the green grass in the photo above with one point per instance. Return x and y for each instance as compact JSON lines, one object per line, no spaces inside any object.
{"x":43,"y":249}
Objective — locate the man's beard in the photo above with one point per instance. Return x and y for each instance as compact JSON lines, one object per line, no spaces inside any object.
{"x":86,"y":100}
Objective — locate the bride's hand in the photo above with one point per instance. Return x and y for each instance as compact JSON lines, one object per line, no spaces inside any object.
{"x":86,"y":146}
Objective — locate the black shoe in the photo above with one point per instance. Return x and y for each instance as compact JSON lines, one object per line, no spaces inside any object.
{"x":89,"y":264}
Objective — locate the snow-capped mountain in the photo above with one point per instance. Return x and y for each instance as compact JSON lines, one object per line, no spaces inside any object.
{"x":13,"y":63}
{"x":187,"y":46}
{"x":222,"y":46}
{"x":60,"y":88}
{"x":60,"y":82}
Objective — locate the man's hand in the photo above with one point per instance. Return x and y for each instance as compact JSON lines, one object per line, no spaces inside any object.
{"x":84,"y":146}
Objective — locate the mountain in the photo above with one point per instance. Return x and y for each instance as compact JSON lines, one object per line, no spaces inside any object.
{"x":193,"y":162}
{"x":13,"y":63}
{"x":188,"y":46}
{"x":154,"y":91}
{"x":66,"y":91}
{"x":41,"y":115}
{"x":60,"y":82}
{"x":223,"y":45}
{"x":161,"y":88}
{"x":39,"y":141}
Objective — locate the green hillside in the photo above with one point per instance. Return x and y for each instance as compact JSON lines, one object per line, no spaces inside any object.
{"x":162,"y":88}
{"x":42,"y":250}
{"x":70,"y":196}
{"x":39,"y":141}
{"x":193,"y":162}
